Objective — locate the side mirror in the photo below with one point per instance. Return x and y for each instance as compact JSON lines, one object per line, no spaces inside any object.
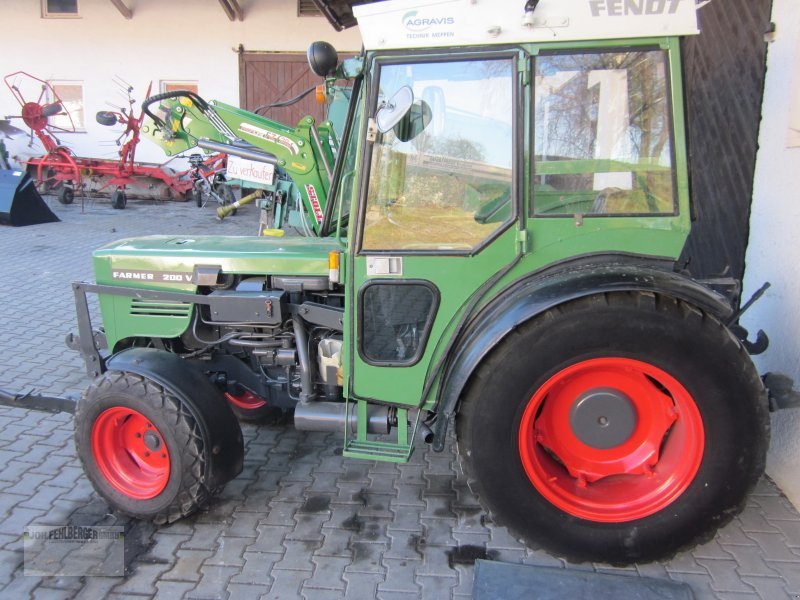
{"x":394,"y":109}
{"x":322,"y":58}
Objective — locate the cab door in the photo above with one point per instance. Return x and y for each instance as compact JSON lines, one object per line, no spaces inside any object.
{"x":438,"y":212}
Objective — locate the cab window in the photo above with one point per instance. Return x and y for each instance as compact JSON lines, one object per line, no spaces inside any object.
{"x":441,"y":176}
{"x":603,"y":135}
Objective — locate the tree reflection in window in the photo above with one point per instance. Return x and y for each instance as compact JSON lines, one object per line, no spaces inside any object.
{"x":441,"y":179}
{"x":603,"y":142}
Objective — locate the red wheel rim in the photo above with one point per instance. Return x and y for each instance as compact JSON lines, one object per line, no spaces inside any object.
{"x":130,"y":453}
{"x":651,"y":459}
{"x":246,"y":400}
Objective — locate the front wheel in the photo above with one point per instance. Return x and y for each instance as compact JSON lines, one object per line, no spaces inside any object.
{"x":616,"y":428}
{"x":142,"y":448}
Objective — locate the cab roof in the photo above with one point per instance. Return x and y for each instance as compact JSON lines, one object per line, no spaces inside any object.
{"x":441,"y":23}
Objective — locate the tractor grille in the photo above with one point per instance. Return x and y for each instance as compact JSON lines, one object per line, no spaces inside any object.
{"x":150,"y":308}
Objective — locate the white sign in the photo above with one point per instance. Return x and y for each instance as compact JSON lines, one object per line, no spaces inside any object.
{"x":250,"y":170}
{"x":431,"y":23}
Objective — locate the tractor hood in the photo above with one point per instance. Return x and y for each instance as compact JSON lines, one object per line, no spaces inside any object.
{"x":171,"y":260}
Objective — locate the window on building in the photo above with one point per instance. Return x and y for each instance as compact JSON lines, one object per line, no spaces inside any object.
{"x":60,"y":9}
{"x":72,"y":115}
{"x":172,"y":86}
{"x":307,"y":8}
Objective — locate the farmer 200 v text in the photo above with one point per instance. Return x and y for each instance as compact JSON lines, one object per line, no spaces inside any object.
{"x":497,"y":255}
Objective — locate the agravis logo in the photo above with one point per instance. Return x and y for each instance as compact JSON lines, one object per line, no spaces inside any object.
{"x":414,"y":23}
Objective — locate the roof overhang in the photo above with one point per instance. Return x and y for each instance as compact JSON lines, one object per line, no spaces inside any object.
{"x":340,"y":12}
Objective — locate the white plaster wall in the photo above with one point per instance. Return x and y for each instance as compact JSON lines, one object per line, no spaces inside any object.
{"x":186,"y":40}
{"x":774,"y":249}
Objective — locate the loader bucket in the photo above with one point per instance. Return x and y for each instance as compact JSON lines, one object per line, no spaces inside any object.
{"x":20,"y":203}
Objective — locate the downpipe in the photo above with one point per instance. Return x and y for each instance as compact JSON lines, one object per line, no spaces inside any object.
{"x":301,"y":343}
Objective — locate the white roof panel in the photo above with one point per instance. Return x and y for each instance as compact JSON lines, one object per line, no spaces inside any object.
{"x":437,"y":23}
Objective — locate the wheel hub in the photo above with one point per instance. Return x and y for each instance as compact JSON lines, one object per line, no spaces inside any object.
{"x":151,"y":440}
{"x":603,"y":418}
{"x":130,"y":453}
{"x":611,"y":439}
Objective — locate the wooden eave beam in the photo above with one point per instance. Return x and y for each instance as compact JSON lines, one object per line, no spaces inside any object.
{"x":126,"y":12}
{"x":232,"y":10}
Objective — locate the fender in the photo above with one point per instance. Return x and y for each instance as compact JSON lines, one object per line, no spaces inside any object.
{"x":533,"y":295}
{"x":225,"y":451}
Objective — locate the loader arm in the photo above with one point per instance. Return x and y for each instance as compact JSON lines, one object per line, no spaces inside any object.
{"x":183,"y":120}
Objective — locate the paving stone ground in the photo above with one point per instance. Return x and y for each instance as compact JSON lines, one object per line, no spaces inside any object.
{"x":300,"y":521}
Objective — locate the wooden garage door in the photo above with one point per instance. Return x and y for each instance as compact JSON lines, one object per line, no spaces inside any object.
{"x":270,"y":77}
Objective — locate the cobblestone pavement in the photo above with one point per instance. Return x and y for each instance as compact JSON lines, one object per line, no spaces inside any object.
{"x":300,"y":521}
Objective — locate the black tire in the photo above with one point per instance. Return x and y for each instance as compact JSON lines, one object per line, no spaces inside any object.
{"x":118,"y":200}
{"x":180,"y":434}
{"x":513,"y":386}
{"x":198,"y":197}
{"x":66,"y":195}
{"x":226,"y":194}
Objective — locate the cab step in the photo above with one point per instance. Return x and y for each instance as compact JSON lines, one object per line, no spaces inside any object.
{"x":376,"y":447}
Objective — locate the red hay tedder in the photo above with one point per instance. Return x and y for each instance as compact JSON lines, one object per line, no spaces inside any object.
{"x":60,"y":171}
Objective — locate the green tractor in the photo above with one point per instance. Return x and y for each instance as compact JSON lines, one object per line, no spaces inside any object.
{"x":497,"y":257}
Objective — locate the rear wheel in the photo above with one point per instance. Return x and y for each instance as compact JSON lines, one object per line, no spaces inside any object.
{"x":118,"y":199}
{"x":141,"y":448}
{"x":66,"y":195}
{"x":622,"y":428}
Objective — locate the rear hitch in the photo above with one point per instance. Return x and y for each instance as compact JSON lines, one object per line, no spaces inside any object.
{"x":762,"y":341}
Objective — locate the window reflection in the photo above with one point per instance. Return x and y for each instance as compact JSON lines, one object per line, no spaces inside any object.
{"x":441,"y":178}
{"x":602,"y":134}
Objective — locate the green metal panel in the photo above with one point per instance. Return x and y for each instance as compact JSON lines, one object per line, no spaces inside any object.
{"x":125,"y":317}
{"x":456,"y":278}
{"x":252,"y":255}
